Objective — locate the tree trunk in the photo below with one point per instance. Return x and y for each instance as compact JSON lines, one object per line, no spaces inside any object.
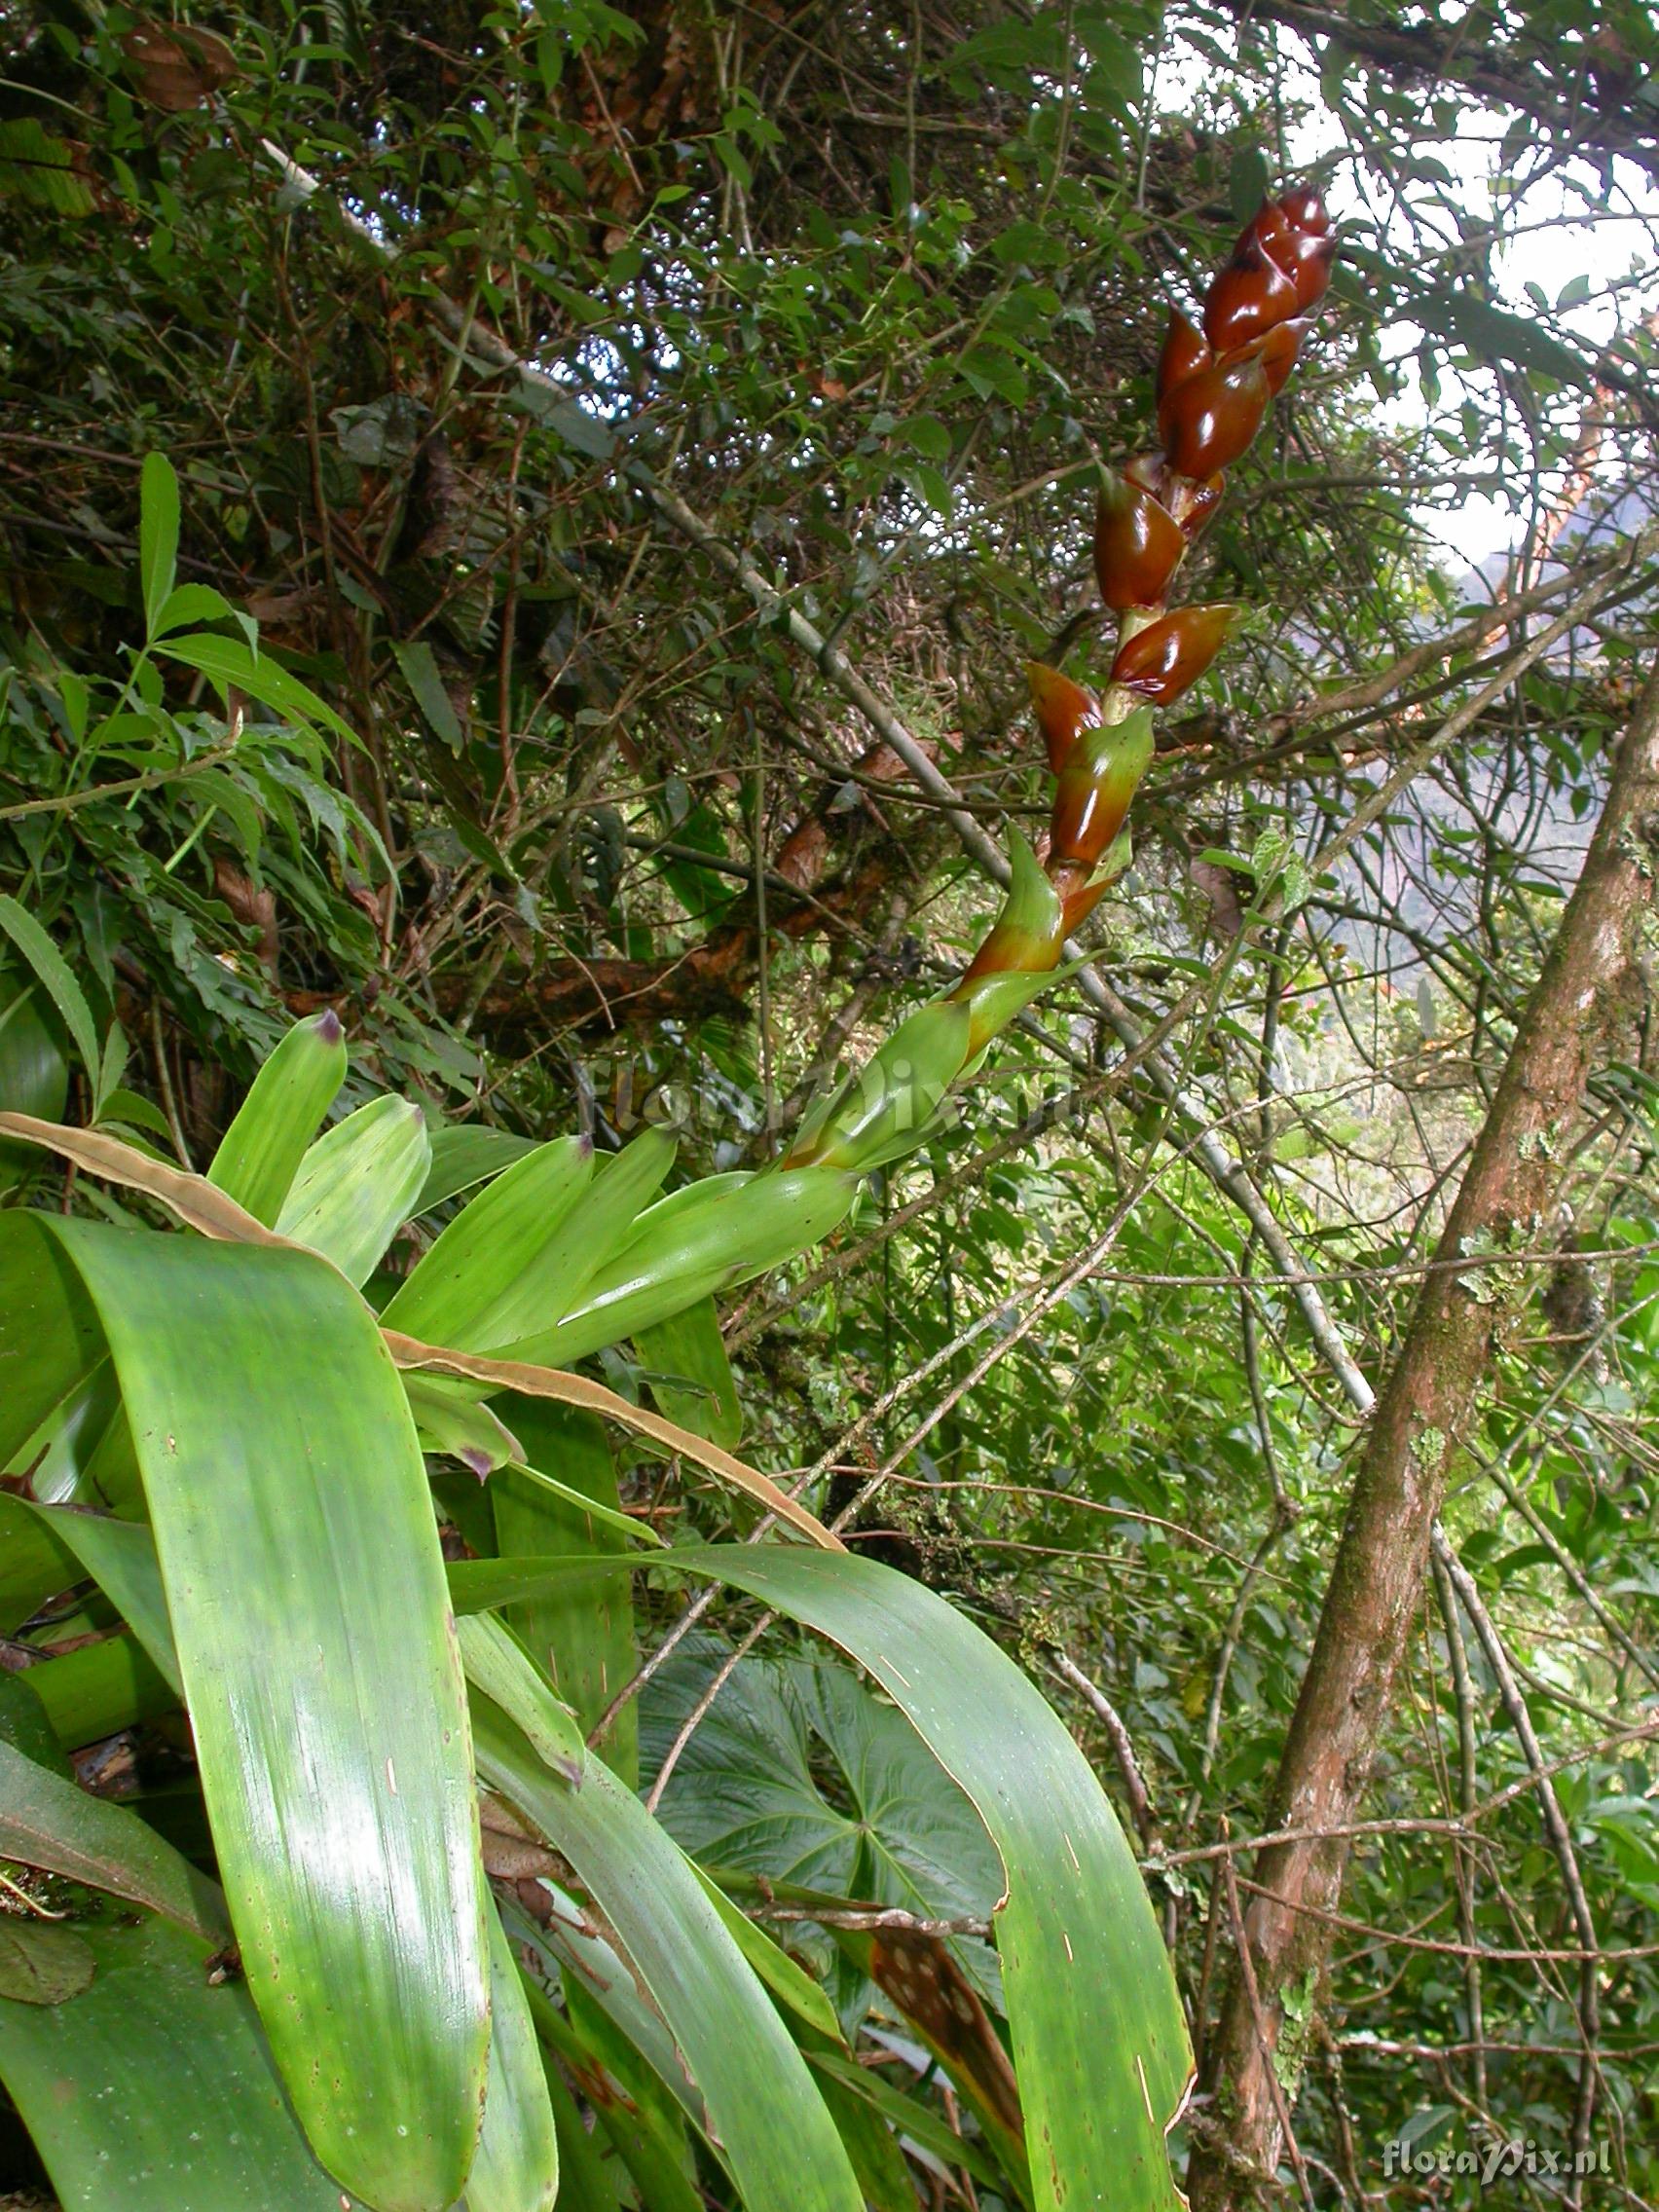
{"x":1382,"y":1556}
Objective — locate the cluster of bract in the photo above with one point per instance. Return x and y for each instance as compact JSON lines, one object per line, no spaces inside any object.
{"x":1214,"y":388}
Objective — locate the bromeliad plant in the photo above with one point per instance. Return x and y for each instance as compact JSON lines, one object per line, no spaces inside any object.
{"x":401,"y":1912}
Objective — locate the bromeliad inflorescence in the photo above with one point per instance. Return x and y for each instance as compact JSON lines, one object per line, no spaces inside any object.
{"x":1215,"y":385}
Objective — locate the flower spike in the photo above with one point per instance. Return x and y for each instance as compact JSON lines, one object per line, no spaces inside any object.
{"x":1214,"y":386}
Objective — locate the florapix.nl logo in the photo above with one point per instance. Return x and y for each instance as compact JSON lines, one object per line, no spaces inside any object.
{"x":1486,"y":2161}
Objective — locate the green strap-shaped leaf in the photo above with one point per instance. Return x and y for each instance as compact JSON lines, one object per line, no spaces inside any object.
{"x":690,"y":1375}
{"x":306,"y":1591}
{"x":582,"y":1635}
{"x":260,"y":1155}
{"x":34,"y":1076}
{"x":90,"y":1693}
{"x":356,"y":1184}
{"x":51,"y":1822}
{"x":152,"y":2090}
{"x":464,"y":1155}
{"x":1099,"y":2040}
{"x":501,"y":1266}
{"x":451,"y":1421}
{"x":709,"y":1236}
{"x":757,"y":2096}
{"x":232,"y":664}
{"x":908,"y":2115}
{"x":50,"y":1337}
{"x":119,"y":1556}
{"x":584,"y":2182}
{"x":34,"y":1563}
{"x":636,"y":2108}
{"x":158,"y":534}
{"x":54,"y":972}
{"x":622,"y":1186}
{"x":517,"y":2166}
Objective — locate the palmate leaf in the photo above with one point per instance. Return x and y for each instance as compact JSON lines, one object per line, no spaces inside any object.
{"x":745,"y":1799}
{"x":304,"y":1587}
{"x":1099,"y":2040}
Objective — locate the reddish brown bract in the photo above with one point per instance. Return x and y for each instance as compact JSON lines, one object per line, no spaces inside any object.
{"x":1185,"y":353}
{"x":1249,"y":296}
{"x":1210,"y":419}
{"x":1159,"y":663}
{"x":1137,"y":546}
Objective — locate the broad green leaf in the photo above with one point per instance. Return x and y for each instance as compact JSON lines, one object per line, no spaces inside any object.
{"x":790,"y":1983}
{"x":755,"y":2092}
{"x":905,"y":2113}
{"x":502,"y":1266}
{"x":465,"y":1154}
{"x":232,"y":663}
{"x":124,"y":1109}
{"x":604,"y":1221}
{"x":582,"y":1632}
{"x":119,"y":1556}
{"x":34,"y":1078}
{"x":323,"y":1686}
{"x":486,"y":1585}
{"x":192,"y":1197}
{"x":605,"y":2036}
{"x":49,"y":1821}
{"x":1099,"y":2038}
{"x":153,"y":2091}
{"x":420,"y":673}
{"x":879,"y":2164}
{"x":690,"y":1375}
{"x":85,"y":1452}
{"x":635,"y":2107}
{"x":90,"y":1693}
{"x":355,"y":1186}
{"x":191,"y":603}
{"x":702,"y":1240}
{"x":586,"y":2183}
{"x":56,"y":975}
{"x":517,"y":2166}
{"x":158,"y":535}
{"x":589,"y":1509}
{"x":35,"y":1564}
{"x":567,"y":1390}
{"x":451,"y":1423}
{"x":50,"y":1339}
{"x":26,"y":1728}
{"x":261,"y":1150}
{"x":41,"y":1964}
